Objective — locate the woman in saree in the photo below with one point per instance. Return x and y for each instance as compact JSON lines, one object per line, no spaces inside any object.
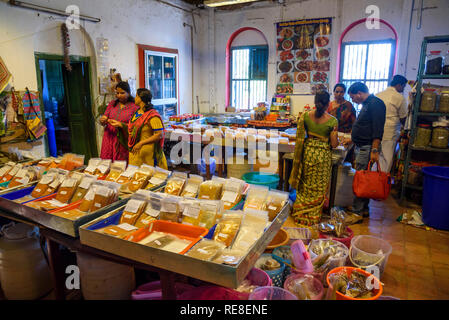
{"x":119,"y":110}
{"x":146,"y":133}
{"x":310,"y":176}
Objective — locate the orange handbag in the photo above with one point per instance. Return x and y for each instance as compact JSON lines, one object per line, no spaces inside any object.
{"x":371,"y":184}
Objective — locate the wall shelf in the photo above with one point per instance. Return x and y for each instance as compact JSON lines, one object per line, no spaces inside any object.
{"x":429,"y":149}
{"x":416,"y":113}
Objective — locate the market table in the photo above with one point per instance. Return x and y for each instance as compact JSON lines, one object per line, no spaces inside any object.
{"x":167,"y":264}
{"x":57,"y":269}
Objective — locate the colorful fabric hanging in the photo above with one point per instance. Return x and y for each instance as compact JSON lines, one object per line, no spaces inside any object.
{"x":5,"y":75}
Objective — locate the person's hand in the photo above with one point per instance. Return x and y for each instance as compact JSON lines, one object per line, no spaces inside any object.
{"x":137,"y":147}
{"x":374,"y":157}
{"x":115,"y":123}
{"x":103,"y":120}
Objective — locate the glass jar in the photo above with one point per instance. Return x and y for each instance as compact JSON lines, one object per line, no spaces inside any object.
{"x":434,"y":62}
{"x":440,"y":137}
{"x":444,"y":102}
{"x":423,"y":135}
{"x":446,"y":63}
{"x":428,"y":100}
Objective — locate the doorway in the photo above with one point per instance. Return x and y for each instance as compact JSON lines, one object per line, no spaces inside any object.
{"x":67,"y":105}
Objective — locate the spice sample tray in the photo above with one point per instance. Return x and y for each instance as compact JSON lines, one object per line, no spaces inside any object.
{"x":64,"y":225}
{"x":220,"y":274}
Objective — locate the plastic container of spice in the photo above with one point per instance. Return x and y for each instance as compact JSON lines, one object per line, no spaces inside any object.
{"x":434,"y":62}
{"x":444,"y":101}
{"x":440,"y":135}
{"x":428,"y":100}
{"x":423,"y":135}
{"x":446,"y":63}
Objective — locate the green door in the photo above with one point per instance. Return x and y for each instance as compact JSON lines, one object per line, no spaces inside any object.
{"x":81,"y":122}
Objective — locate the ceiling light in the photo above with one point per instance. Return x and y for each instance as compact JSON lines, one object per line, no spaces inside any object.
{"x":219,"y":3}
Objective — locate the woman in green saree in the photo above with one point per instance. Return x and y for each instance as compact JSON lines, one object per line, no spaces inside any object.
{"x":310,"y":176}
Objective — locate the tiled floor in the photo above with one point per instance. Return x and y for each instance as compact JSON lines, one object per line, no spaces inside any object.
{"x":418,"y":267}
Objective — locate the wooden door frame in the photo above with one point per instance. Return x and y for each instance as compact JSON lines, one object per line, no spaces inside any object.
{"x":73,"y":58}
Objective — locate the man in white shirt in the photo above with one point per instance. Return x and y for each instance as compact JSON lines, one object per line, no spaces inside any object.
{"x":395,"y":118}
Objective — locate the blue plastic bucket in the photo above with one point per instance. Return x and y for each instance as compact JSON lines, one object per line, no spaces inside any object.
{"x":262,"y":179}
{"x":435,"y":203}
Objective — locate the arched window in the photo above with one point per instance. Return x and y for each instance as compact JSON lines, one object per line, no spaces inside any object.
{"x":246,"y":68}
{"x":372,"y":61}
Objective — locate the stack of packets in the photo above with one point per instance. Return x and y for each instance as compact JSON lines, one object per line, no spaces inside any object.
{"x":130,"y":178}
{"x":16,"y":174}
{"x":99,"y":195}
{"x":234,"y":231}
{"x":262,"y":199}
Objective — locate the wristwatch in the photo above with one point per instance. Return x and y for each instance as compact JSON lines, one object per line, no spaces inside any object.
{"x":375,"y":150}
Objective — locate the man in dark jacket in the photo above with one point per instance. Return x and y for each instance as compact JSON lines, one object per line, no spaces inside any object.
{"x":367,"y":134}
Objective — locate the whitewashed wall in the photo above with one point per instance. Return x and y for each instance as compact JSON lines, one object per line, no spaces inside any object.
{"x":344,"y":12}
{"x":124,"y":23}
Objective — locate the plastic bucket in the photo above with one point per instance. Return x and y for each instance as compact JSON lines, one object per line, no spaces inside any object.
{"x":349,"y":270}
{"x":280,"y":239}
{"x":153,"y":290}
{"x":318,"y":286}
{"x":271,"y":293}
{"x":257,"y":277}
{"x":435,"y":208}
{"x":346,"y":241}
{"x":333,"y":263}
{"x":211,"y":293}
{"x":277,"y":275}
{"x":262,"y":179}
{"x":368,"y":252}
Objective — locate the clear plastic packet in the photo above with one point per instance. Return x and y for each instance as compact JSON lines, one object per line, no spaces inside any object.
{"x":175,"y":183}
{"x":11,"y":173}
{"x":252,"y":227}
{"x":74,"y":161}
{"x":126,"y":176}
{"x":119,"y":231}
{"x":192,"y":187}
{"x":106,"y":192}
{"x":88,"y":199}
{"x":191,"y":212}
{"x":229,"y":256}
{"x":304,"y":288}
{"x":210,"y":210}
{"x":226,"y":230}
{"x":232,"y":192}
{"x":44,"y":182}
{"x":170,"y":210}
{"x":117,"y":168}
{"x":83,"y":187}
{"x":92,"y":165}
{"x":152,"y":210}
{"x":167,"y":242}
{"x":133,"y":209}
{"x":256,"y":197}
{"x":159,"y":177}
{"x":103,"y":168}
{"x":6,"y":169}
{"x":210,"y":190}
{"x":24,"y":176}
{"x":54,"y":185}
{"x":67,"y":190}
{"x":274,"y":203}
{"x":140,"y":178}
{"x":206,"y":250}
